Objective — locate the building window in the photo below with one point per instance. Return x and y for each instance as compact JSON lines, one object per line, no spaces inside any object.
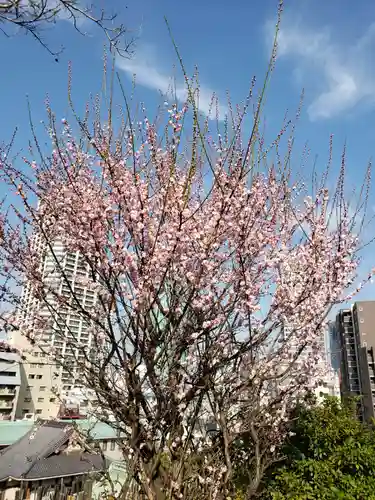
{"x":8,"y":374}
{"x":104,"y":446}
{"x":42,"y":388}
{"x":40,"y":400}
{"x":27,"y":400}
{"x":25,"y":410}
{"x":40,"y":365}
{"x":34,"y":365}
{"x":31,"y":376}
{"x":52,"y":400}
{"x":39,"y":377}
{"x":38,"y":412}
{"x":113,"y":445}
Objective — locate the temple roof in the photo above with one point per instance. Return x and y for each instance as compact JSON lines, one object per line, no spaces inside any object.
{"x":36,"y":454}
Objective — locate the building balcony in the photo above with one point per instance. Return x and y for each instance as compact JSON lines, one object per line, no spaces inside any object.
{"x":7,"y":392}
{"x":6,"y":405}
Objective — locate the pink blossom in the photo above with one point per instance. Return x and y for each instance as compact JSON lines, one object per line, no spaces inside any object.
{"x":205,"y":283}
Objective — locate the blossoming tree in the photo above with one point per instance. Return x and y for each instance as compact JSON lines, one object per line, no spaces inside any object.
{"x":212,"y":268}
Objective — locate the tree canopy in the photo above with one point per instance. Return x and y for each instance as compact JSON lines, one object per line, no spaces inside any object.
{"x":330,"y":454}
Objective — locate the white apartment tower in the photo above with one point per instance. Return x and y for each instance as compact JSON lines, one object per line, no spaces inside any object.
{"x":66,"y":331}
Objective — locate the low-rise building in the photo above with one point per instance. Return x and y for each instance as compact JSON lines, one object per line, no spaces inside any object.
{"x":51,"y":458}
{"x":37,"y":393}
{"x":39,"y":389}
{"x":78,"y":401}
{"x":97,"y":434}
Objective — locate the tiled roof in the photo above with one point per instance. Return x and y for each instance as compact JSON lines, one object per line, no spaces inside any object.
{"x":41,"y":441}
{"x":66,"y":465}
{"x":33,"y":455}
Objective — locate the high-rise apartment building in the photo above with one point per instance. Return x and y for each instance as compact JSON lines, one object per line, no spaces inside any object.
{"x":66,"y":332}
{"x":355,"y":334}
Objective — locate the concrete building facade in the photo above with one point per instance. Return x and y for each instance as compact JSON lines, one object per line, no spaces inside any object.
{"x":10,"y":381}
{"x":356,"y":334}
{"x":39,"y":394}
{"x":38,"y":390}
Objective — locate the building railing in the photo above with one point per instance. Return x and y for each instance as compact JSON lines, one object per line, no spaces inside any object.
{"x":6,"y":404}
{"x":7,"y":392}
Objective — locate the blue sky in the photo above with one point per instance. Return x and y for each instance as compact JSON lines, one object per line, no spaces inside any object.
{"x":325,"y":47}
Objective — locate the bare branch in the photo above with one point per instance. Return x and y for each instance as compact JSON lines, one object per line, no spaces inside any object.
{"x":33,"y":16}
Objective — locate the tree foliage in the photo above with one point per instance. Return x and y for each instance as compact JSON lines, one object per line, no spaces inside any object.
{"x":330,"y":454}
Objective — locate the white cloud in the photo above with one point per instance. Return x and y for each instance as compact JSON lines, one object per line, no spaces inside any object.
{"x":343,"y":74}
{"x":148,"y":74}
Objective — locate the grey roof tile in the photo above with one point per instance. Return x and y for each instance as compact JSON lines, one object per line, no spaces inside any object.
{"x":40,"y":442}
{"x":66,"y":465}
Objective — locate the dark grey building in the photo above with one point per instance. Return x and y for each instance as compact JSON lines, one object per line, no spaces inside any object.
{"x":355,"y":331}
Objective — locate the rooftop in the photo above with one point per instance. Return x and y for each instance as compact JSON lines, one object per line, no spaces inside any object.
{"x":38,"y":454}
{"x":12,"y":431}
